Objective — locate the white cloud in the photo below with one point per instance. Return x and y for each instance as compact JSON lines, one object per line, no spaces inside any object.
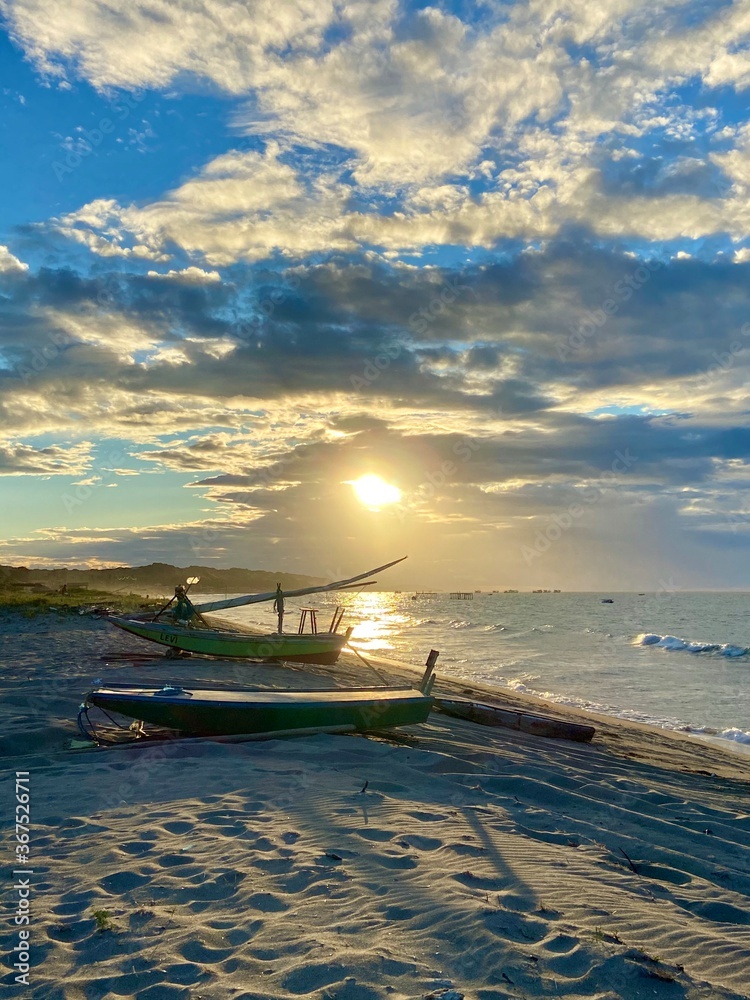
{"x":189,"y":276}
{"x":149,"y":44}
{"x":22,"y":459}
{"x":421,"y":100}
{"x":10,"y":264}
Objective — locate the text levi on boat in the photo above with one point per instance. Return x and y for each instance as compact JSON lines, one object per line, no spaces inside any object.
{"x":184,"y":629}
{"x":253,"y":713}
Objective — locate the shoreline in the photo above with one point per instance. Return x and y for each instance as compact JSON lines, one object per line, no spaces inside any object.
{"x":438,"y":857}
{"x":620,"y":736}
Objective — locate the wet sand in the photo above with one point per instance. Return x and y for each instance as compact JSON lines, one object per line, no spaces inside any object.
{"x":437,"y":858}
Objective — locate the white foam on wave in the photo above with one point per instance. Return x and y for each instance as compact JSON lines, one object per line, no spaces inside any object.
{"x":739,"y":737}
{"x":674,"y":643}
{"x":734,"y":734}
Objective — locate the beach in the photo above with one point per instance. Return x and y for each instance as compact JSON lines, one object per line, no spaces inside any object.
{"x":443,"y":859}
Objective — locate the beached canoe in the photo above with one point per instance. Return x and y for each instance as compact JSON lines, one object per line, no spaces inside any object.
{"x":216,"y":712}
{"x":308,"y":647}
{"x":525,"y":722}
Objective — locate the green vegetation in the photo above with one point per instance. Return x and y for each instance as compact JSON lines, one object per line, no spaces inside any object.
{"x":103,"y":920}
{"x":125,"y":588}
{"x":33,"y":602}
{"x":155,"y":579}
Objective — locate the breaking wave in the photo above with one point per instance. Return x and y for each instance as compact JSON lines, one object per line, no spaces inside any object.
{"x":738,"y":736}
{"x":673,"y":643}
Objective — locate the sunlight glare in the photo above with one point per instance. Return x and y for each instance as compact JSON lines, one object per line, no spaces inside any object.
{"x":374,"y":492}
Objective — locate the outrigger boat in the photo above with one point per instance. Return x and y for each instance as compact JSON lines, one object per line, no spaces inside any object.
{"x":307,"y":647}
{"x":184,"y":629}
{"x":252,"y":713}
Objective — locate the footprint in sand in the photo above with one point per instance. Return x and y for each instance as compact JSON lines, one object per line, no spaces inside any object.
{"x":425,"y":817}
{"x":69,"y":931}
{"x":398,"y":913}
{"x":420,"y":843}
{"x":178,"y":826}
{"x":149,"y":981}
{"x":515,"y":926}
{"x":373,"y":833}
{"x":196,"y":951}
{"x":222,"y":887}
{"x":136,"y":847}
{"x":663,"y":873}
{"x":184,"y":973}
{"x":560,"y":943}
{"x":266,"y":902}
{"x":575,"y":964}
{"x":120,"y":882}
{"x":274,"y":866}
{"x":79,"y":829}
{"x":718,"y":912}
{"x":399,"y":861}
{"x":301,"y":880}
{"x":73,"y":903}
{"x":175,"y":860}
{"x":467,"y":850}
{"x":309,"y":978}
{"x":479,"y":881}
{"x":516,"y":902}
{"x":262,"y":844}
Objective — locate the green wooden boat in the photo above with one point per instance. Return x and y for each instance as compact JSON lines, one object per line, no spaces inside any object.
{"x":309,"y":647}
{"x":184,"y":629}
{"x":215,"y":712}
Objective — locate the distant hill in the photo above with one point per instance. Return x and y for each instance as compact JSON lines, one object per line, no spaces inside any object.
{"x":158,"y":577}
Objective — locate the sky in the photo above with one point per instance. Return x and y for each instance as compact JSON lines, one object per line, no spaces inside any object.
{"x":496,"y":254}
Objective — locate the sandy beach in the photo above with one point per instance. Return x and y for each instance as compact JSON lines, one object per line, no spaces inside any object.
{"x":445,"y":859}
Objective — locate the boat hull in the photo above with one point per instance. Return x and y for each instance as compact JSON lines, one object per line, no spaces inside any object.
{"x":215,"y":712}
{"x":525,"y":722}
{"x":323,"y":647}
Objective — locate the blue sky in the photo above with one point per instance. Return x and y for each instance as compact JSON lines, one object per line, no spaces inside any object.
{"x":497,"y":254}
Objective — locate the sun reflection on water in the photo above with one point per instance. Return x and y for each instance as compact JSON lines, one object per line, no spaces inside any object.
{"x":376,"y":619}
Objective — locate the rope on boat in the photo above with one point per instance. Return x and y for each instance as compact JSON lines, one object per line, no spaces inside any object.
{"x":97,"y":737}
{"x":367,"y":663}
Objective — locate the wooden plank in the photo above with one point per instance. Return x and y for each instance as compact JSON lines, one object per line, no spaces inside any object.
{"x":525,"y":722}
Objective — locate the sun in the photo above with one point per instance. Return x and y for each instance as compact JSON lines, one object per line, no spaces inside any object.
{"x":374,"y":492}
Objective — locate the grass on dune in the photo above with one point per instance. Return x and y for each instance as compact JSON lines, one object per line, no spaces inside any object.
{"x":31,"y":603}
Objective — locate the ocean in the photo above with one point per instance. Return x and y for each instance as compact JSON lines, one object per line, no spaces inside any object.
{"x":678,"y":660}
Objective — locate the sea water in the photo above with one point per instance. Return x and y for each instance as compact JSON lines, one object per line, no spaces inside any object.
{"x":675,"y":660}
